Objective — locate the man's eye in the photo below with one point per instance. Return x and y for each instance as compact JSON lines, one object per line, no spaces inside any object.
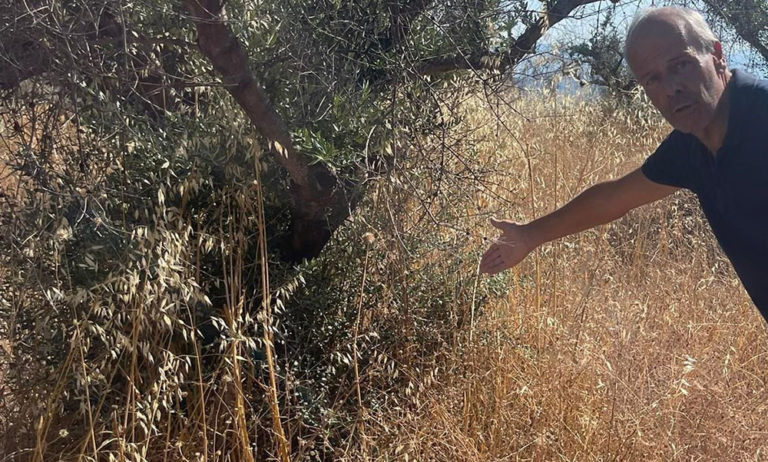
{"x":680,"y":65}
{"x":651,"y":81}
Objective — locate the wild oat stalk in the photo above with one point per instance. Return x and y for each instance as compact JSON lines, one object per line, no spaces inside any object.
{"x":277,"y":426}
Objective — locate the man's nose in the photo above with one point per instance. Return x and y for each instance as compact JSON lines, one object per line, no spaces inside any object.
{"x":672,"y":85}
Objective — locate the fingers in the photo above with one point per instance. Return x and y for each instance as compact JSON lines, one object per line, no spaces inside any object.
{"x":494,"y":266}
{"x":497,"y":223}
{"x":500,"y":255}
{"x":493,"y":260}
{"x":490,"y":254}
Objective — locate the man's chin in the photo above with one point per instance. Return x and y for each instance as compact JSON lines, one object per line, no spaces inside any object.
{"x":691,"y":121}
{"x":684,"y":129}
{"x":684,"y":125}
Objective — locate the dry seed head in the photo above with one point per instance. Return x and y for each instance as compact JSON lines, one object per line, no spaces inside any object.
{"x":369,"y":237}
{"x":63,"y":232}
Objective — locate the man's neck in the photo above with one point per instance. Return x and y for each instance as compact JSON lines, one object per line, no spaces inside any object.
{"x":713,"y":134}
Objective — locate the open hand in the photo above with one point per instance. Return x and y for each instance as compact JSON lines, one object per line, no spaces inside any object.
{"x":509,"y":249}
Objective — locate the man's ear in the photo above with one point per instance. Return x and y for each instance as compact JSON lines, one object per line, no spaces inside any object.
{"x":719,"y":57}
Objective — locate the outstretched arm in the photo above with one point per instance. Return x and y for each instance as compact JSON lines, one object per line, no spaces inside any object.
{"x":599,"y":204}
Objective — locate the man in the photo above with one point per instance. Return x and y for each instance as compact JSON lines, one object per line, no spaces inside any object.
{"x":718,"y":149}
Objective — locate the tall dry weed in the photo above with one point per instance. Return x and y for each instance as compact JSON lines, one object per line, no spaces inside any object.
{"x":167,"y":330}
{"x":631,"y":341}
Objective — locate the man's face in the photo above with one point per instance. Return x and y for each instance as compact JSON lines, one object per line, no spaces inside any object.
{"x":683,"y":84}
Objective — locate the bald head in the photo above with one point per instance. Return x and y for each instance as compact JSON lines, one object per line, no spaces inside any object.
{"x":680,"y":65}
{"x":684,"y":23}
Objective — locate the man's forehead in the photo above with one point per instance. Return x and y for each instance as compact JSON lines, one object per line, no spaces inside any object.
{"x":657,"y":30}
{"x":655,"y":43}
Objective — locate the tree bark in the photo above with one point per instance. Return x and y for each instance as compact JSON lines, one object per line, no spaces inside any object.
{"x":24,"y":58}
{"x":504,"y":60}
{"x":401,"y":18}
{"x":321,"y":202}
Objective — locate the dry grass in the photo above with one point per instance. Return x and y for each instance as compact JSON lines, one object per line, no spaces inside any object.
{"x":633,"y":341}
{"x":630,"y":342}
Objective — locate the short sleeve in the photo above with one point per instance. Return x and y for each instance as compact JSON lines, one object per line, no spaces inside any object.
{"x":672,"y":162}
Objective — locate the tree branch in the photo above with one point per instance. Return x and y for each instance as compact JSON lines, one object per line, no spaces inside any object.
{"x":321,"y":202}
{"x":221,"y":47}
{"x":739,"y":20}
{"x":504,"y":60}
{"x":21,"y":59}
{"x":400,"y":21}
{"x":28,"y":49}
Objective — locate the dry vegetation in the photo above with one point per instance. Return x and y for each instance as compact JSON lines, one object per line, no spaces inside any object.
{"x":633,"y":341}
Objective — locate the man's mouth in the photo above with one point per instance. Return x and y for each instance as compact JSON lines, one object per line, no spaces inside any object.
{"x":682,"y":108}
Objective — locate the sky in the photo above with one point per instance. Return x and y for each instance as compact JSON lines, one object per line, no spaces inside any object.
{"x":586,"y":18}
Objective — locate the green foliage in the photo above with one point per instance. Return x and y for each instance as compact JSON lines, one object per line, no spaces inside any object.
{"x":748,"y":19}
{"x":131,"y":259}
{"x":602,"y":58}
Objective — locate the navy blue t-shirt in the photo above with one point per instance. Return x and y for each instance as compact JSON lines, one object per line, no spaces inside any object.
{"x":732,"y":186}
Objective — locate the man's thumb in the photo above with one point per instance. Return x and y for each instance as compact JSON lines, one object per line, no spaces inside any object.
{"x":498,"y":223}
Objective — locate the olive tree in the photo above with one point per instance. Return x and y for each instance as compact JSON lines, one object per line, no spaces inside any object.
{"x":151,"y":153}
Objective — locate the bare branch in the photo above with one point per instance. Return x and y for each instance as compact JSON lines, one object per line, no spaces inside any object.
{"x":742,"y":22}
{"x":20,"y":60}
{"x":504,"y":60}
{"x":320,"y":201}
{"x":401,"y":19}
{"x":228,"y":57}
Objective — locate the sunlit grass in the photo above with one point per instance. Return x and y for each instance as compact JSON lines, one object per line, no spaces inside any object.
{"x":632,"y":341}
